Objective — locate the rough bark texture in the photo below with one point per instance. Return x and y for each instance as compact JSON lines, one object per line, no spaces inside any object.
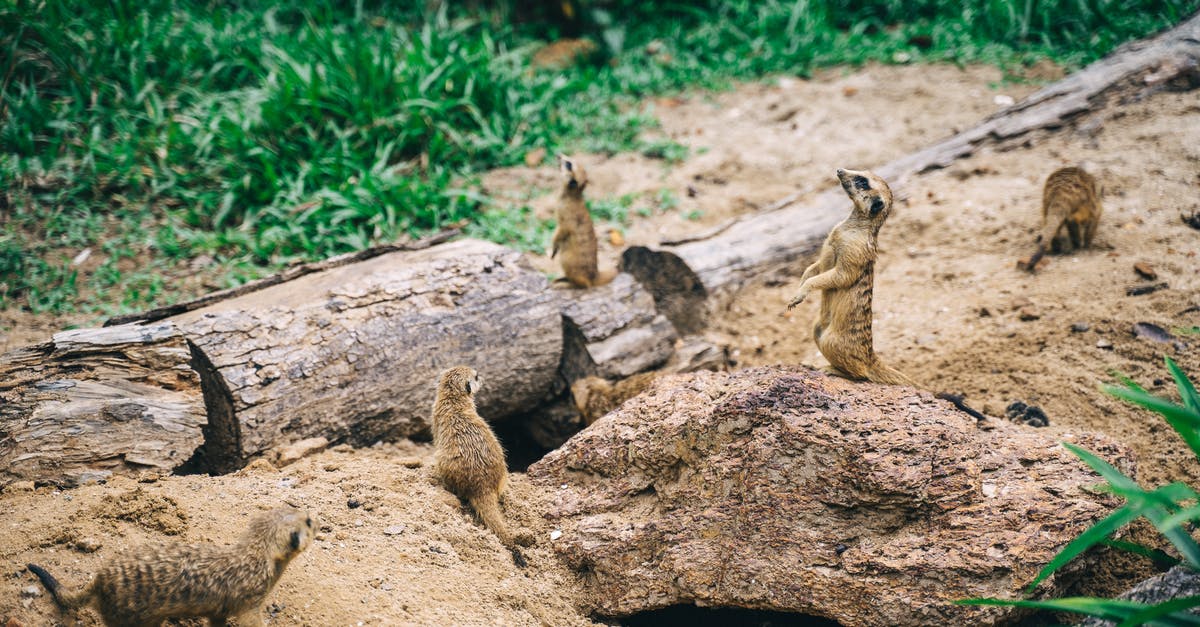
{"x":353,"y":353}
{"x":621,"y":331}
{"x":683,"y":277}
{"x":1177,"y":583}
{"x":785,"y":489}
{"x":92,"y":402}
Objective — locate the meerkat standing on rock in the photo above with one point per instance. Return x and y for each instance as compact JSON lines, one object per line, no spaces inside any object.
{"x":467,"y":457}
{"x":1071,"y":200}
{"x":845,"y":273}
{"x":575,"y":236}
{"x":145,"y":587}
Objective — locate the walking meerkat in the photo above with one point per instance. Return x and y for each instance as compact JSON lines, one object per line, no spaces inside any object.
{"x":1070,"y":201}
{"x":467,"y":457}
{"x":575,"y":236}
{"x":146,"y":586}
{"x":845,"y":273}
{"x":595,"y":397}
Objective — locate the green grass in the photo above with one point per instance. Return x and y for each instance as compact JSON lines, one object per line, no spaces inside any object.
{"x":264,"y":133}
{"x":1173,"y":509}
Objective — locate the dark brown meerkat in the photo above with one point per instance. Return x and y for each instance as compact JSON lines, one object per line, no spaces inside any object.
{"x":1071,"y":203}
{"x":596,"y":397}
{"x":467,"y":458}
{"x":575,"y":236}
{"x":146,"y":586}
{"x":844,"y":273}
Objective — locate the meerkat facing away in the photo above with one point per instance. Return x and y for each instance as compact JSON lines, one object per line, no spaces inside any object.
{"x":149,"y":585}
{"x":467,"y":457}
{"x":575,"y":236}
{"x":1070,"y":202}
{"x":844,"y":273}
{"x":596,"y":397}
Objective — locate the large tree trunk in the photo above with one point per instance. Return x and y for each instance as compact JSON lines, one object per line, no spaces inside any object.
{"x":353,"y":353}
{"x":93,"y":402}
{"x":688,"y":278}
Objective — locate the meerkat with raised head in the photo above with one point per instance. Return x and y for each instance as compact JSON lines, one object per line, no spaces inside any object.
{"x":1070,"y":203}
{"x":146,"y":586}
{"x":595,"y":397}
{"x":467,"y":457}
{"x":844,"y":273}
{"x":575,"y":236}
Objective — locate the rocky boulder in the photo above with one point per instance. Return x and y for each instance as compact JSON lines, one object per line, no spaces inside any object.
{"x":785,"y":489}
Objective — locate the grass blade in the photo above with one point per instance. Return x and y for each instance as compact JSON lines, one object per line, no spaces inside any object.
{"x":1094,"y":535}
{"x":1187,"y":391}
{"x":1155,"y":612}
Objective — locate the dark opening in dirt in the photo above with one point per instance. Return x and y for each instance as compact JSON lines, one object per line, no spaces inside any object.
{"x":692,"y":616}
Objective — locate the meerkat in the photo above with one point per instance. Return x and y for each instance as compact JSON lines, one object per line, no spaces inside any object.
{"x":845,"y":273}
{"x":467,"y":458}
{"x":575,"y":235}
{"x":147,"y":586}
{"x":596,"y":397}
{"x":1070,"y":201}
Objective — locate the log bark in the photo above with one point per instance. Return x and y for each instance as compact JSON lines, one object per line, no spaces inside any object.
{"x":93,"y":402}
{"x":620,"y":330}
{"x":689,"y":278}
{"x":353,"y":353}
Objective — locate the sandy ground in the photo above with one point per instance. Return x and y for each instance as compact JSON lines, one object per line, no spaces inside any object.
{"x":947,"y":312}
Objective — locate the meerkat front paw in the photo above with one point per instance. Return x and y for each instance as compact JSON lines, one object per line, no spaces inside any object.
{"x":798,"y":299}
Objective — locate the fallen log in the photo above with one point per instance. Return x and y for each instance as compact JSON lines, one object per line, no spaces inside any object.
{"x":620,"y":332}
{"x":93,"y":402}
{"x":352,"y":353}
{"x":688,"y":279}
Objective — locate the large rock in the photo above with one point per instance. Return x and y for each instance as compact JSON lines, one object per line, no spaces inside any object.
{"x":788,"y":490}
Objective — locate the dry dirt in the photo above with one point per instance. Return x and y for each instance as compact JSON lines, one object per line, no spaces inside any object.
{"x":947,"y":255}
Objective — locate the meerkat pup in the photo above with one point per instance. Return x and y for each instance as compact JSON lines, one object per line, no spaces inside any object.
{"x":467,"y":457}
{"x":595,"y":397}
{"x":575,"y":237}
{"x":1070,"y":202}
{"x":147,"y":586}
{"x":845,"y":273}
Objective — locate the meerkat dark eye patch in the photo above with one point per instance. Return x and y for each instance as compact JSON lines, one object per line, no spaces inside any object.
{"x":861,"y":183}
{"x":295,"y":540}
{"x":308,"y":521}
{"x":876,"y":206}
{"x":468,"y":385}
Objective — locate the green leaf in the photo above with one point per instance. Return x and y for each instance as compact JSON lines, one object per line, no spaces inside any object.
{"x":1162,"y":610}
{"x":1187,"y":391}
{"x":1185,"y":422}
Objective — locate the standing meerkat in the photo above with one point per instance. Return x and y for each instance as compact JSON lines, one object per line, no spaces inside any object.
{"x":144,"y":587}
{"x":467,"y":457}
{"x":1070,"y":199}
{"x":575,"y":236}
{"x":845,"y":273}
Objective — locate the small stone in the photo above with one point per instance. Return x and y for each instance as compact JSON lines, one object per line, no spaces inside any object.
{"x":1145,"y":270}
{"x":556,"y":534}
{"x":1020,"y":302}
{"x":410,"y":462}
{"x":616,"y":238}
{"x":31,"y":591}
{"x":1104,"y":344}
{"x":1152,"y":332}
{"x":988,"y":489}
{"x":1003,"y":100}
{"x":849,"y":90}
{"x":692,"y":192}
{"x":353,"y":503}
{"x":87,"y":545}
{"x":386,"y":586}
{"x":840,"y":548}
{"x":1080,"y":327}
{"x":394,"y":530}
{"x":1028,"y":313}
{"x":296,"y":451}
{"x":984,"y":312}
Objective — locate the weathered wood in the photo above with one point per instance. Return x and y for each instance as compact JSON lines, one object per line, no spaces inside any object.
{"x":289,"y":274}
{"x":689,"y":278}
{"x":93,"y":402}
{"x":352,"y":353}
{"x":621,"y":331}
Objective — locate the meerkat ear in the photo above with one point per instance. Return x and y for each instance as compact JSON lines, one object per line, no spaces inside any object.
{"x":295,"y":540}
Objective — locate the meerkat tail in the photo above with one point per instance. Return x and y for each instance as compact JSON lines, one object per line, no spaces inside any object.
{"x":488,"y":508}
{"x":883,"y":373}
{"x":957,"y":401}
{"x":63,"y":600}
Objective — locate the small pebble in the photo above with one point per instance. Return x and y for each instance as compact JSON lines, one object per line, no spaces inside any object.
{"x":1145,"y":270}
{"x":354,"y":503}
{"x":386,"y":586}
{"x":1028,"y":313}
{"x":1104,"y":344}
{"x":31,"y":591}
{"x":394,"y":530}
{"x":87,"y":545}
{"x":556,"y":534}
{"x":1080,"y":327}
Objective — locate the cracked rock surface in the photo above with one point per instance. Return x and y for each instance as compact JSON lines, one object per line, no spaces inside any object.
{"x":785,"y":489}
